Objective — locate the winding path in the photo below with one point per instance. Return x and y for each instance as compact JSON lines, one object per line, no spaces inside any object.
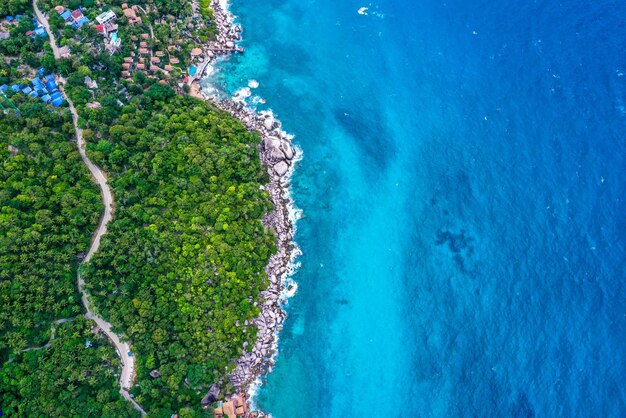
{"x":53,"y":333}
{"x":123,"y":349}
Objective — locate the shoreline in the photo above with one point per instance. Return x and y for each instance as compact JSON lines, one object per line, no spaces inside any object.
{"x":279,"y":156}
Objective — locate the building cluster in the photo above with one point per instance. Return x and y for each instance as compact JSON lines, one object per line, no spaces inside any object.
{"x":107,"y":27}
{"x":6,"y":24}
{"x":143,"y":59}
{"x":234,"y":408}
{"x":131,"y":14}
{"x":43,"y":87}
{"x":75,"y":18}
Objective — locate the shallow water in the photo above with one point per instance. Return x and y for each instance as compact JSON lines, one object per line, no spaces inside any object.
{"x":463,"y":196}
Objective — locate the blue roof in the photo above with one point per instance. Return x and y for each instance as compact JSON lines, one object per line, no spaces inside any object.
{"x":51,"y":85}
{"x":49,"y":77}
{"x":33,"y":94}
{"x":82,"y":21}
{"x":18,"y":17}
{"x":26,"y":90}
{"x":57,"y":102}
{"x":40,"y":31}
{"x":46,"y":98}
{"x":41,"y":71}
{"x":67,"y":15}
{"x":16,"y":87}
{"x":4,"y":88}
{"x":36,"y":81}
{"x":10,"y":18}
{"x":56,"y":95}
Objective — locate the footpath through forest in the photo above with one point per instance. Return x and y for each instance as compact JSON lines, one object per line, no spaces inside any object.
{"x":123,"y":349}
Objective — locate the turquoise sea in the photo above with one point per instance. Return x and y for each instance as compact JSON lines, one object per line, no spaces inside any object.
{"x":463,"y":193}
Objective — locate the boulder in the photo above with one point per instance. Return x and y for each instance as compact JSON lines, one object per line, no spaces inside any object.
{"x":281,"y":168}
{"x":211,"y":395}
{"x":230,"y":44}
{"x":268,"y":123}
{"x":272,"y":148}
{"x":286,"y":149}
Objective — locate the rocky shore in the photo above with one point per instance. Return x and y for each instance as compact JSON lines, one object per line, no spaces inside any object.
{"x":278,"y":155}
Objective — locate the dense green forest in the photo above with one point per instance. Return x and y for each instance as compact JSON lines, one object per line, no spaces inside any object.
{"x":13,"y":7}
{"x":184,"y":259}
{"x":48,"y":211}
{"x":181,"y":267}
{"x":74,"y":377}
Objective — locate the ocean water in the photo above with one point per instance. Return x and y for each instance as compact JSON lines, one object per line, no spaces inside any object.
{"x":463,"y":194}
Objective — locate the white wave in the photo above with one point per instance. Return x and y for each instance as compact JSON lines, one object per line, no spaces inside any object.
{"x":253,"y":84}
{"x":242,"y":94}
{"x":363,"y":11}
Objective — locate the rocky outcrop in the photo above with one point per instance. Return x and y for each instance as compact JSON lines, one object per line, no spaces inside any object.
{"x":211,"y":396}
{"x":278,"y":155}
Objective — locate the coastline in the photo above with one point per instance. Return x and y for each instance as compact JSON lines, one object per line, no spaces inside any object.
{"x":279,"y":156}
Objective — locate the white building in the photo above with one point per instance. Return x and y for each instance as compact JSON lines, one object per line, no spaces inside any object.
{"x":106,"y":17}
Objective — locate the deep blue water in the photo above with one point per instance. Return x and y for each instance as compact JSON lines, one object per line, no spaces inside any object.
{"x":463,"y":189}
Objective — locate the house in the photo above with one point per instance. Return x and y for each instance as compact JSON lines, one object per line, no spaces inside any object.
{"x":40,"y":31}
{"x":143,"y":51}
{"x":154,"y":68}
{"x":130,"y":14}
{"x":51,"y":85}
{"x":4,"y":35}
{"x":82,"y":21}
{"x":46,"y":98}
{"x":145,"y":36}
{"x":155,"y":60}
{"x":160,"y":54}
{"x":93,"y":105}
{"x":168,"y":67}
{"x":59,"y":9}
{"x":64,"y":51}
{"x":57,"y":102}
{"x":106,"y":17}
{"x":66,"y":15}
{"x":124,"y":6}
{"x":126,"y":66}
{"x":174,"y":61}
{"x":101,"y":29}
{"x":56,"y":95}
{"x":128,"y":59}
{"x":141,"y":66}
{"x":125,"y":74}
{"x":4,"y":88}
{"x":143,"y":44}
{"x":90,"y":83}
{"x":77,"y":15}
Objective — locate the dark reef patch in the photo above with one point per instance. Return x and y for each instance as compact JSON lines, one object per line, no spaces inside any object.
{"x":365,"y":125}
{"x":461,"y":245}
